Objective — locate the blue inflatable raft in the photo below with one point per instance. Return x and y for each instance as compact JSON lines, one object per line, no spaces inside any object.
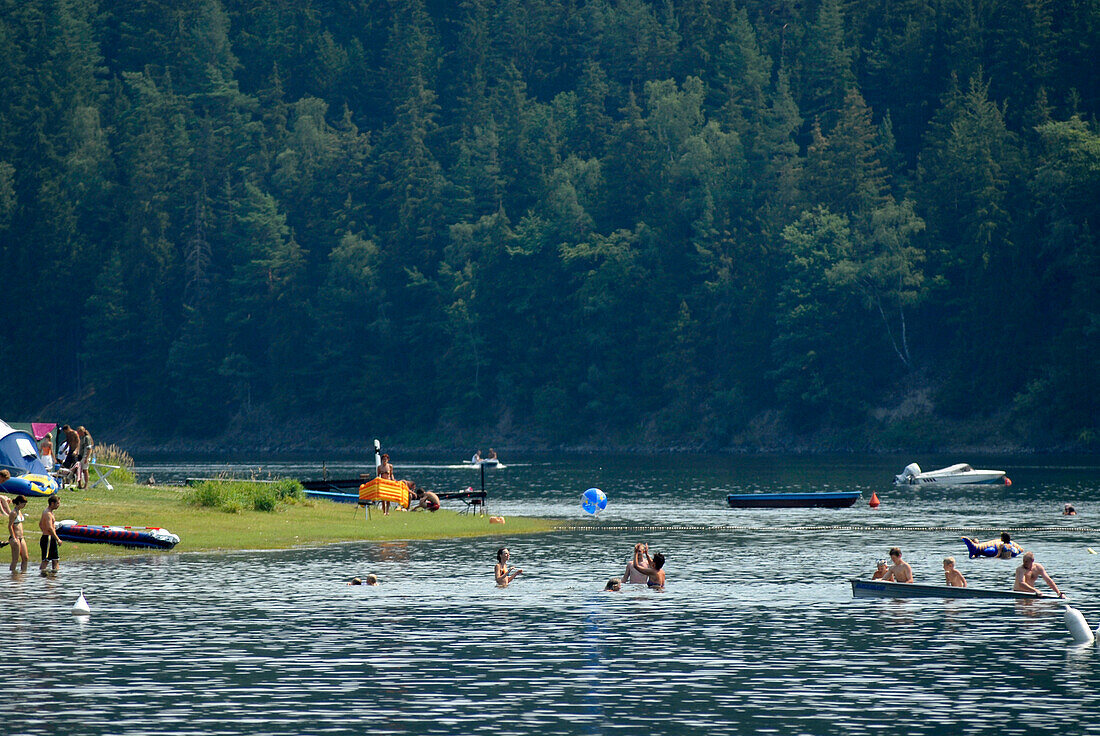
{"x":992,"y":548}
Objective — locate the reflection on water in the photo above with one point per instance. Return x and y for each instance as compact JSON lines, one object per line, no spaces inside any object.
{"x":757,"y":631}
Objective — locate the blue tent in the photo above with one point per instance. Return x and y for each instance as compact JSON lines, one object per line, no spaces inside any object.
{"x":19,"y":456}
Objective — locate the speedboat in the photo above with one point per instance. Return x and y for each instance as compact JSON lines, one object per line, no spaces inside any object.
{"x":488,"y":462}
{"x":952,"y":475}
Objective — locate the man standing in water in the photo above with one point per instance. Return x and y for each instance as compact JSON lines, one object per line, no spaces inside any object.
{"x":49,"y":540}
{"x":1029,"y":571}
{"x":899,"y":571}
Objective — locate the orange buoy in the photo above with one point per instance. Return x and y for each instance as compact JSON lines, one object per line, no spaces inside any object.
{"x":1008,"y":481}
{"x":874,"y":500}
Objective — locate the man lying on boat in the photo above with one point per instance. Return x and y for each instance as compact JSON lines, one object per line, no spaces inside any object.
{"x":1029,"y":571}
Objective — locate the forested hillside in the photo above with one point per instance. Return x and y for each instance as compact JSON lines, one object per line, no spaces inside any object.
{"x":619,"y":220}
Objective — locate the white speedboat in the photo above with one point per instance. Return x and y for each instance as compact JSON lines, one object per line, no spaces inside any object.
{"x":488,"y":462}
{"x":952,"y":475}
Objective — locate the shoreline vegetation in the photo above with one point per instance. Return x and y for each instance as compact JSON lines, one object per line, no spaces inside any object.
{"x":299,"y":522}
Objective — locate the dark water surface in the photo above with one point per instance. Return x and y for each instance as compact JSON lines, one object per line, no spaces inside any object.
{"x":757,"y":633}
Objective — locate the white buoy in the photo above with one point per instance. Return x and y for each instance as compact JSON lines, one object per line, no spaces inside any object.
{"x":80,"y":608}
{"x":1078,"y":627}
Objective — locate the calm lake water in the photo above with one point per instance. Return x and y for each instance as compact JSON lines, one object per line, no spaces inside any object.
{"x":757,"y":632}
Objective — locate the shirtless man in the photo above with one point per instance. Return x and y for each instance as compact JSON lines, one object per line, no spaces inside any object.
{"x":49,"y":541}
{"x":632,"y":574}
{"x":385,"y":471}
{"x":953,"y":577}
{"x":899,"y":572}
{"x":1029,"y":571}
{"x":428,"y":500}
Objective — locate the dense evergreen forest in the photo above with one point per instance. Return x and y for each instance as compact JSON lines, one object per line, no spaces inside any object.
{"x":628,"y":222}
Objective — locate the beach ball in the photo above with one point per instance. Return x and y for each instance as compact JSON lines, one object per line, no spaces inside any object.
{"x":593,"y":501}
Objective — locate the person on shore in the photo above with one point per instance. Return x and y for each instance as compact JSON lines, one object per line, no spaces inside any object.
{"x":1029,"y":571}
{"x":503,"y":574}
{"x":49,"y":541}
{"x":45,"y":453}
{"x":882,"y":569}
{"x":71,"y":446}
{"x":1068,"y":510}
{"x":613,"y":585}
{"x":428,"y":500}
{"x":953,"y":577}
{"x":655,"y":576}
{"x":632,"y":574}
{"x":87,"y":445}
{"x":19,"y":554}
{"x":899,"y":571}
{"x":5,"y":507}
{"x":385,"y":472}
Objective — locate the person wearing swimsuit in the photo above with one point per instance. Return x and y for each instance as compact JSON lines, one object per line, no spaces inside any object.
{"x":5,"y":507}
{"x":501,"y":572}
{"x":19,"y":554}
{"x":385,"y":471}
{"x":652,"y":569}
{"x":632,"y":574}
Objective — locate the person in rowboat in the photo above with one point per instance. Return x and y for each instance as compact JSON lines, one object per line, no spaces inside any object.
{"x":1029,"y":571}
{"x":899,"y":572}
{"x":954,"y":578}
{"x":882,"y":569}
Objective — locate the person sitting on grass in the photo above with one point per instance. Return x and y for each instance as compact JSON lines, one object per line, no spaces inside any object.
{"x":954,"y":578}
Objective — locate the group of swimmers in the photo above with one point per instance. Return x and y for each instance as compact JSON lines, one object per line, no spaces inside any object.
{"x":47,"y":523}
{"x":640,"y":569}
{"x":1027,"y":574}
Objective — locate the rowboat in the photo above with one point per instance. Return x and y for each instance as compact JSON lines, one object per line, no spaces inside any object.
{"x":833,"y":500}
{"x":864,"y":588}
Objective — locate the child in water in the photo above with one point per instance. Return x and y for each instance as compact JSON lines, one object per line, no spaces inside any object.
{"x":954,"y":578}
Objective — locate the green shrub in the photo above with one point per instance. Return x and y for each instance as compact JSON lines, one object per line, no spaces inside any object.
{"x":235,"y":496}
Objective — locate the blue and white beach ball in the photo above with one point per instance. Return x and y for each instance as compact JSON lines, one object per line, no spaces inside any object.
{"x":594,"y":501}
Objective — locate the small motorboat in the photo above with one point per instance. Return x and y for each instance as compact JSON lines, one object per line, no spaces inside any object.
{"x":952,"y":475}
{"x":124,"y":536}
{"x":836,"y":500}
{"x":488,"y":462}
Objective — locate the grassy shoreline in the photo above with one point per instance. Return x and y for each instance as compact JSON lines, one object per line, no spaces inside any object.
{"x":309,"y":523}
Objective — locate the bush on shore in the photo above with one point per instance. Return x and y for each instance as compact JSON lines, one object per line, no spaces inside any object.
{"x":235,"y":496}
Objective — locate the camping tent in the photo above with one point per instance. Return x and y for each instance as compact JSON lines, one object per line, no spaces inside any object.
{"x":19,"y":456}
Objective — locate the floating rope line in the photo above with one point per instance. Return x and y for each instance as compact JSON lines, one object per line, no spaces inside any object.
{"x":724,"y":527}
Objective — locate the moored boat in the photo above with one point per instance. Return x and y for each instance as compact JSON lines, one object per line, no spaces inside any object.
{"x":864,"y":588}
{"x":124,"y":536}
{"x":952,"y":475}
{"x":829,"y":500}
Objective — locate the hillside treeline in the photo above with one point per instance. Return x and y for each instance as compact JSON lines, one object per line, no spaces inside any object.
{"x":616,"y":219}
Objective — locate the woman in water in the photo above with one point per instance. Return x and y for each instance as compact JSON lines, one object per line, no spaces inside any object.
{"x":652,"y":570}
{"x":501,"y":572}
{"x":19,"y":552}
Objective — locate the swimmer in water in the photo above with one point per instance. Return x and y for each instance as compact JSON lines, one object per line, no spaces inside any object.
{"x":953,"y":577}
{"x":503,"y":574}
{"x":655,"y":576}
{"x":613,"y":585}
{"x":899,"y":572}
